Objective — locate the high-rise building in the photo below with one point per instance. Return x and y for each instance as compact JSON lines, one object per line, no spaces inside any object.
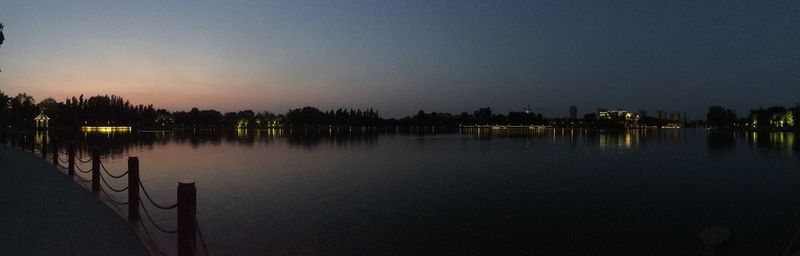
{"x":671,"y":119}
{"x":573,"y":112}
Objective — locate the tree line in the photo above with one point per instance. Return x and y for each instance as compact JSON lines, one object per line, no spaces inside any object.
{"x":776,"y":117}
{"x":103,"y":110}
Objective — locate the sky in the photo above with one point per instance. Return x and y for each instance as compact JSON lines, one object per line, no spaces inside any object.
{"x":403,"y":56}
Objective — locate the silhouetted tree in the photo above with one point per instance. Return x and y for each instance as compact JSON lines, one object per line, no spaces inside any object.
{"x":483,"y":115}
{"x":164,"y":118}
{"x":720,"y":117}
{"x":23,"y":110}
{"x":115,"y":110}
{"x":265,"y":119}
{"x":523,"y":118}
{"x":4,"y":115}
{"x":2,"y":37}
{"x":773,"y":117}
{"x":48,"y":106}
{"x":306,"y":116}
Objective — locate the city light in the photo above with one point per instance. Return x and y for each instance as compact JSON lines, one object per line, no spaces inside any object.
{"x":106,"y":129}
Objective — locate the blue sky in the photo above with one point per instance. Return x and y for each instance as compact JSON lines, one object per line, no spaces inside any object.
{"x":402,"y":56}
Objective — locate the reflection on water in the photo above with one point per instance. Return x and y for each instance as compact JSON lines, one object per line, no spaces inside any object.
{"x":115,"y":141}
{"x":721,"y":140}
{"x":626,"y":140}
{"x":470,"y":191}
{"x":779,"y":141}
{"x":488,"y":133}
{"x":40,"y":137}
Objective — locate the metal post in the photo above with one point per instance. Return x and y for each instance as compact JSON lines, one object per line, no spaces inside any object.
{"x":133,"y":188}
{"x":71,"y":159}
{"x":187,"y":200}
{"x":95,"y":170}
{"x":55,"y":152}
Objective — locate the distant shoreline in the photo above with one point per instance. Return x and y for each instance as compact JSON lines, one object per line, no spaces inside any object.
{"x":371,"y":129}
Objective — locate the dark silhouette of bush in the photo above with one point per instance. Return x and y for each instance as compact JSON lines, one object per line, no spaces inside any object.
{"x":2,"y":37}
{"x":720,"y":117}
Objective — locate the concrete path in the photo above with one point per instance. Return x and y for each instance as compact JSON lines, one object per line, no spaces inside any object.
{"x":44,"y":212}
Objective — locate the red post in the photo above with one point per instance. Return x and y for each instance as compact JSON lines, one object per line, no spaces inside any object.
{"x":133,"y":188}
{"x":71,"y":157}
{"x":95,"y":170}
{"x":187,"y":200}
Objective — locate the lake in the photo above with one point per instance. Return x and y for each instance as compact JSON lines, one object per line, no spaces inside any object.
{"x":484,"y":192}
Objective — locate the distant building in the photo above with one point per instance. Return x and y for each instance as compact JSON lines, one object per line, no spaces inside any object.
{"x":573,"y":112}
{"x":42,"y":121}
{"x":627,"y":118}
{"x":602,"y":114}
{"x":671,"y":119}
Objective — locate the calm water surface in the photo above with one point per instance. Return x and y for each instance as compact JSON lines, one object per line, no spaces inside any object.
{"x":543,"y":192}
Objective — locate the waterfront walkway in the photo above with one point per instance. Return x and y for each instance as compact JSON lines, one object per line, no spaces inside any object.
{"x":44,"y":212}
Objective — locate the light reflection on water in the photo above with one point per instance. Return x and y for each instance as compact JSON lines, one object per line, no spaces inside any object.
{"x":781,"y":141}
{"x":546,"y":191}
{"x":631,"y":139}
